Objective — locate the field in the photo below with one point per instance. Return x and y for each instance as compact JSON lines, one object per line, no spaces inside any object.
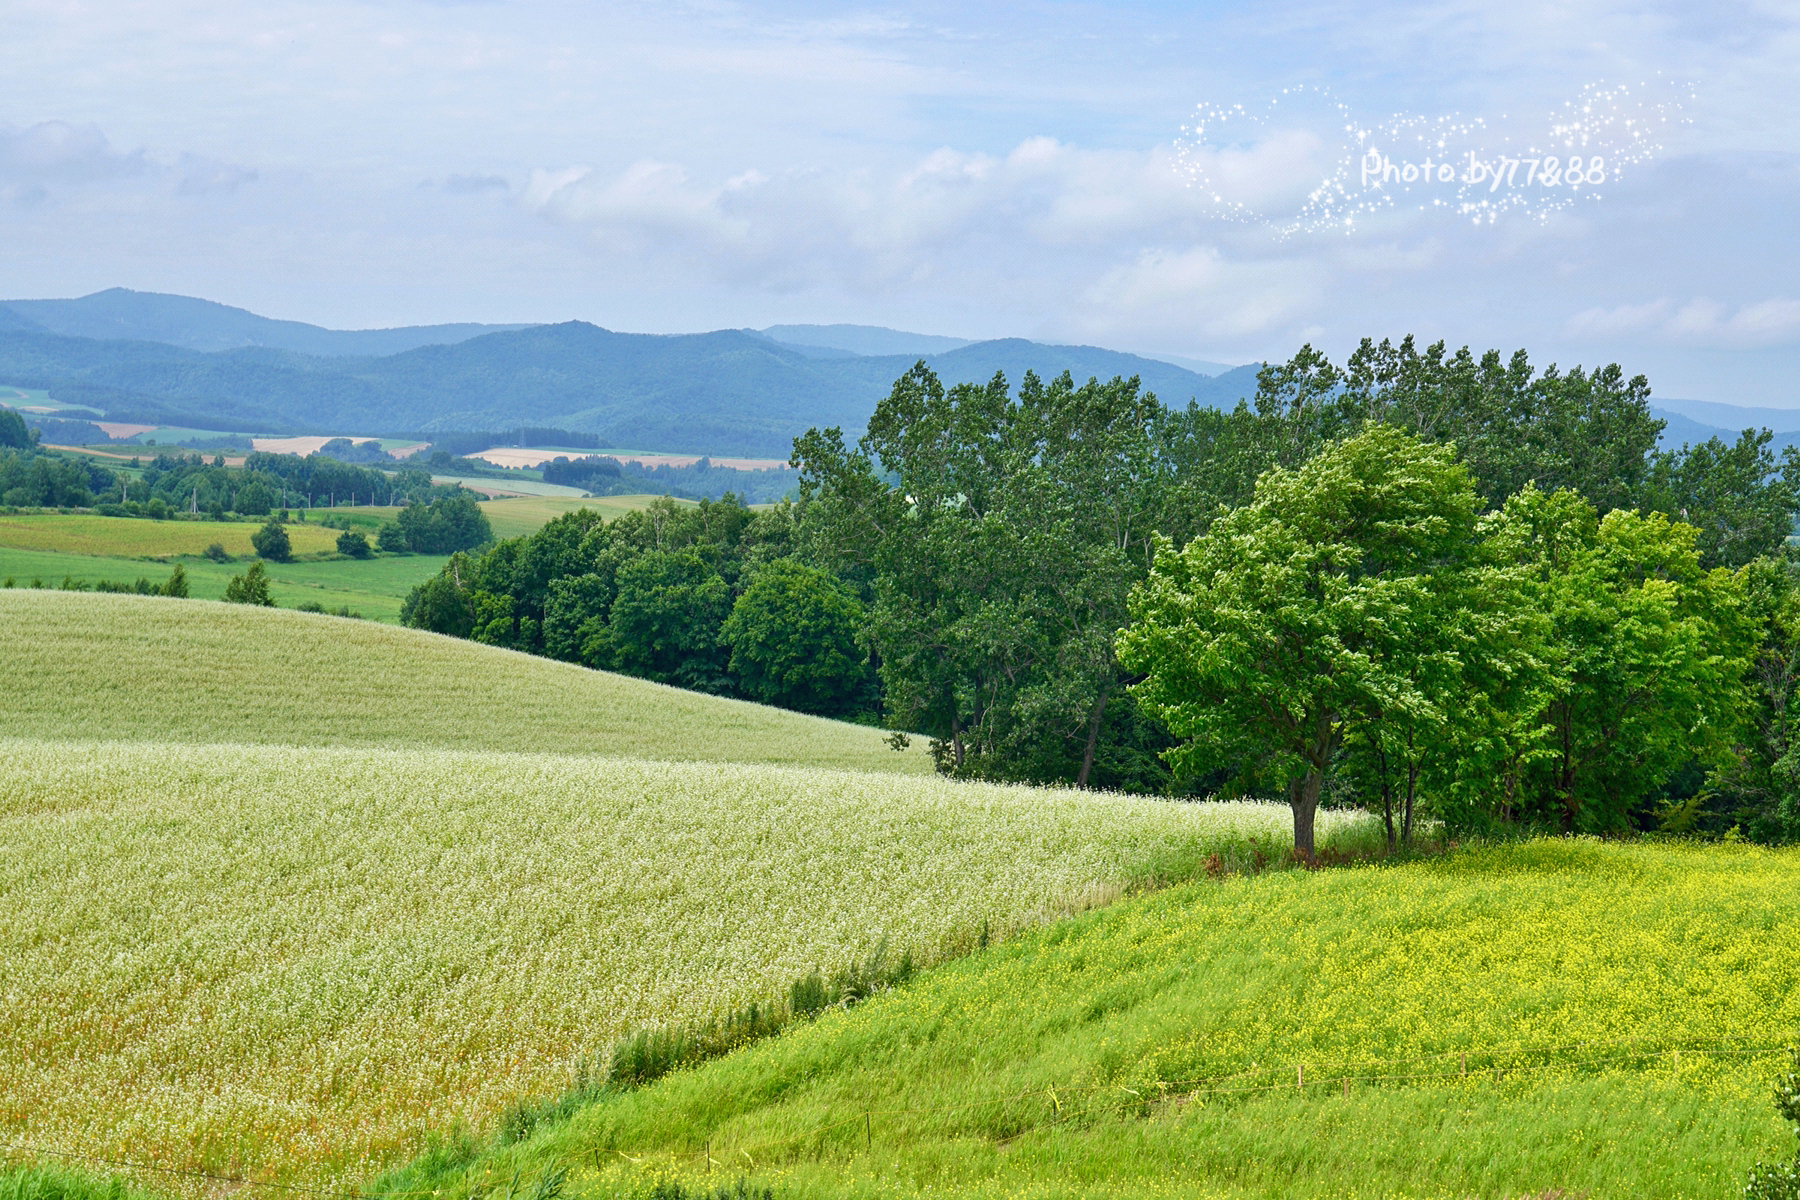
{"x":138,"y":537}
{"x":88,"y":548}
{"x":1605,"y":1019}
{"x":147,"y":669}
{"x":277,"y":926}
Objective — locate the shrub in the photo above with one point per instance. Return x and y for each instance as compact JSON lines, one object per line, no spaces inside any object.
{"x":353,"y":545}
{"x":1781,"y":1181}
{"x":392,"y":538}
{"x":216,"y":552}
{"x":252,"y":587}
{"x":271,"y":541}
{"x":177,"y":585}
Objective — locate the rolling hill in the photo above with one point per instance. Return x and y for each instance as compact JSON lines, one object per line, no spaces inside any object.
{"x":124,"y":315}
{"x":1555,"y":1018}
{"x":284,"y":895}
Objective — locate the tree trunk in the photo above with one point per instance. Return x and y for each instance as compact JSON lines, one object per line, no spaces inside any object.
{"x":1093,"y":741}
{"x":1303,"y":798}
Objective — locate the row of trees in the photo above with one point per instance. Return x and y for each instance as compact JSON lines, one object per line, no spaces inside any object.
{"x":971,"y":563}
{"x":705,"y":596}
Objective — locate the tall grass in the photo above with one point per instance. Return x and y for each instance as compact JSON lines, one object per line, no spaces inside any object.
{"x":295,"y":961}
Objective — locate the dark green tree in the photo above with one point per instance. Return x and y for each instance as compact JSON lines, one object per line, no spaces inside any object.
{"x":13,"y":430}
{"x":177,"y":584}
{"x":271,"y":541}
{"x":353,"y":545}
{"x":793,"y":642}
{"x":665,"y":622}
{"x":440,"y":604}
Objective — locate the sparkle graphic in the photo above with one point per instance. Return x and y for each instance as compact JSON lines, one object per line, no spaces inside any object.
{"x":1455,"y":165}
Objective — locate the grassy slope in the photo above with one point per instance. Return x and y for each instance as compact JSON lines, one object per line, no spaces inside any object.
{"x":144,"y":668}
{"x":297,"y":961}
{"x":1349,"y":973}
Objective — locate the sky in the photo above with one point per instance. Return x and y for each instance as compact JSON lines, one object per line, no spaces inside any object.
{"x":1190,"y":179}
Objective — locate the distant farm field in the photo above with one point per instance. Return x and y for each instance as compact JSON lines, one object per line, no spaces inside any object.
{"x":513,"y":516}
{"x":375,"y":587}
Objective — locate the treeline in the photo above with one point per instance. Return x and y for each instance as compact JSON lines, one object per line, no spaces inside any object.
{"x":701,"y":480}
{"x":967,"y":568}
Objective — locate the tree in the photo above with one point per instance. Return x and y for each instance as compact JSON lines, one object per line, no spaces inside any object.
{"x":391,"y":538}
{"x":252,"y":587}
{"x":271,"y":541}
{"x":255,"y":499}
{"x":353,"y":545}
{"x":665,"y":622}
{"x":1646,"y":651}
{"x":445,"y":526}
{"x":440,"y":604}
{"x":793,"y":642}
{"x":1741,"y":504}
{"x":1266,"y":637}
{"x":177,"y":584}
{"x":13,"y":430}
{"x":997,"y":561}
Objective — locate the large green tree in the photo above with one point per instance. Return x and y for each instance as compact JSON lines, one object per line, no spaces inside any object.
{"x":1647,"y":653}
{"x":793,"y":638}
{"x":1266,"y":638}
{"x":998,"y":539}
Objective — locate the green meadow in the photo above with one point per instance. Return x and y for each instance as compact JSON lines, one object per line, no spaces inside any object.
{"x":49,"y":547}
{"x":1548,"y":1018}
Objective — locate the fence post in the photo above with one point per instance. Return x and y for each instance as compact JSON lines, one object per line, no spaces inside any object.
{"x":868,"y":1133}
{"x":1301,"y":1075}
{"x":1465,"y":1060}
{"x":1346,"y":1087}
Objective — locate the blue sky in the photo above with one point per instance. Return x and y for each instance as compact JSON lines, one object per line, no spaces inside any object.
{"x":992,"y":170}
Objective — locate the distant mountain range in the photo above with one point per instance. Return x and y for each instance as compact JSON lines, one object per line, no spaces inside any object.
{"x":121,"y":314}
{"x":171,"y":360}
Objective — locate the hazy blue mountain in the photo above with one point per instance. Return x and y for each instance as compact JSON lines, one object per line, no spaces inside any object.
{"x":1679,"y":429}
{"x":1199,"y":366}
{"x":1732,"y":417}
{"x":727,"y":393}
{"x":9,"y":319}
{"x":119,"y":313}
{"x":867,"y":340}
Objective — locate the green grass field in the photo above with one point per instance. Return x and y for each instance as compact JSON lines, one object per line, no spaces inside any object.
{"x":1603,"y":1019}
{"x":89,"y":548}
{"x":233,"y":673}
{"x":305,"y":908}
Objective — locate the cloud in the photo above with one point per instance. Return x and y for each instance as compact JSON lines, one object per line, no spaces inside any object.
{"x":1040,"y":207}
{"x":469,"y":185}
{"x":1699,"y":322}
{"x":205,"y":176}
{"x":56,"y":152}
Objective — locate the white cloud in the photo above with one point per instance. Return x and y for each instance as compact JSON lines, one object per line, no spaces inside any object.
{"x":56,"y":152}
{"x":1700,"y":322}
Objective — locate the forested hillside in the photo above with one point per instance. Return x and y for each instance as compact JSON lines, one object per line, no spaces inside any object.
{"x":730,"y":392}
